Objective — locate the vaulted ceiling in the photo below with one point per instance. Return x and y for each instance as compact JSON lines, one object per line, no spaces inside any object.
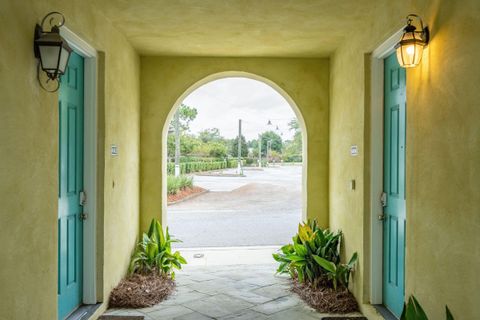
{"x":258,"y":28}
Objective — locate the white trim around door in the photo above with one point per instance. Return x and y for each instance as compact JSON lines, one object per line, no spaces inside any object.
{"x":89,"y":53}
{"x":376,"y":165}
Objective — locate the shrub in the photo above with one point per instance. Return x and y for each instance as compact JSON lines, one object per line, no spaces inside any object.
{"x":174,"y":184}
{"x":314,"y":256}
{"x":199,"y":166}
{"x":153,"y":253}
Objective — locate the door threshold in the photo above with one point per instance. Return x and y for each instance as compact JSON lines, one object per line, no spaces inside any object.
{"x":386,"y":314}
{"x":83,"y":312}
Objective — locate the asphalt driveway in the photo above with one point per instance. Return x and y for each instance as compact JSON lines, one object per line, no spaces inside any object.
{"x":262,"y":208}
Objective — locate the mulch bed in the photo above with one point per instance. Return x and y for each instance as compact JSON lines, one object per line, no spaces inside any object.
{"x":140,"y":291}
{"x":325,"y":299}
{"x":182,"y":194}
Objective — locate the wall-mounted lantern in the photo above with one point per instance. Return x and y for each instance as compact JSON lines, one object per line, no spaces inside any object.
{"x":410,"y":47}
{"x":51,"y":49}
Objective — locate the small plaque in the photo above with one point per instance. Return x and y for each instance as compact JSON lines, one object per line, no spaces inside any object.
{"x":114,"y":150}
{"x":354,"y":150}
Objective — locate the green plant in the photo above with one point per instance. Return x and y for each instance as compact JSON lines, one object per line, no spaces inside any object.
{"x":297,"y":258}
{"x":174,"y":184}
{"x":414,"y":311}
{"x":338,"y":273}
{"x":154,"y":253}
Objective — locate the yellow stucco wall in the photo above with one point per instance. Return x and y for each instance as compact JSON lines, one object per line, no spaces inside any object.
{"x":443,"y":154}
{"x":164,"y":80}
{"x":29,"y":151}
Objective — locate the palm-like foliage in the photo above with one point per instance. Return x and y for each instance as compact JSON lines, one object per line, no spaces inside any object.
{"x":414,"y":311}
{"x":298,"y":258}
{"x":337,"y":273}
{"x":154,"y":253}
{"x":314,"y":256}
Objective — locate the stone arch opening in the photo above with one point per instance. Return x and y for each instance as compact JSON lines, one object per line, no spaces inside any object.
{"x":225,"y":75}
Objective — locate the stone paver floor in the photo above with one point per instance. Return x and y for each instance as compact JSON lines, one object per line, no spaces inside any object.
{"x":240,"y":292}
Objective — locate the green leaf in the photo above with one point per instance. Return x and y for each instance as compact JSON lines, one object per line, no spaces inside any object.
{"x":404,"y":312}
{"x":414,"y":310}
{"x":325,"y":264}
{"x":300,"y":250}
{"x":287,"y":249}
{"x":294,"y":257}
{"x":353,"y":260}
{"x":449,"y":314}
{"x":300,"y":275}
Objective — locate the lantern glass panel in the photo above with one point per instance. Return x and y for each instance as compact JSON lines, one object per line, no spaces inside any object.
{"x":63,"y":60}
{"x":49,"y":57}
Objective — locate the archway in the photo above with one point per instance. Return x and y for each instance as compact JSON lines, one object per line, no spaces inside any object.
{"x":224,"y":75}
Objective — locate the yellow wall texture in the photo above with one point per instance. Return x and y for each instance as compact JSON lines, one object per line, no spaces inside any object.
{"x":29,"y":157}
{"x":443,"y":153}
{"x":164,"y":80}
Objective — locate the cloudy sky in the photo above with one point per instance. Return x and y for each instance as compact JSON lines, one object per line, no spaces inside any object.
{"x":222,"y":102}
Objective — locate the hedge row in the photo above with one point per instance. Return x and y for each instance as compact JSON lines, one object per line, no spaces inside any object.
{"x":199,"y":166}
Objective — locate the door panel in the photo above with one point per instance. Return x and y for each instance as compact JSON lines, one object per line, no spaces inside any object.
{"x":394,"y":185}
{"x":70,"y":225}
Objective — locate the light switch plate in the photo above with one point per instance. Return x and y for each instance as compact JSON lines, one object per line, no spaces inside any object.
{"x":114,"y":150}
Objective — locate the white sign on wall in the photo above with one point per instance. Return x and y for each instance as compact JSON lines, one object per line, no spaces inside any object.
{"x":354,"y":150}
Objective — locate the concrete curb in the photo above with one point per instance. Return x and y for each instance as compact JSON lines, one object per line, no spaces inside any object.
{"x":189,"y":197}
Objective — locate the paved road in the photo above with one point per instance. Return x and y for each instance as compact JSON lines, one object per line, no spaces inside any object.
{"x":263,"y":208}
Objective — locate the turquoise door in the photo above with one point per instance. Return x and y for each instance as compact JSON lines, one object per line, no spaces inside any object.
{"x":394,"y":186}
{"x":70,"y":225}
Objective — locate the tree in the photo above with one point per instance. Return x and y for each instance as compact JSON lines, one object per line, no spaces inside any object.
{"x":276,"y":142}
{"x":188,"y":143}
{"x":253,"y":143}
{"x":294,"y":125}
{"x":208,"y":135}
{"x":186,"y":115}
{"x":292,"y":151}
{"x":234,"y":147}
{"x":218,"y":150}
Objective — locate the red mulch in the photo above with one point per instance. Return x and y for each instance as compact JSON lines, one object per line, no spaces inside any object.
{"x":181,"y":194}
{"x":140,"y":291}
{"x":326,"y":299}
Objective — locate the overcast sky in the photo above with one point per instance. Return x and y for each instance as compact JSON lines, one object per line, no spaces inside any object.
{"x":222,"y":102}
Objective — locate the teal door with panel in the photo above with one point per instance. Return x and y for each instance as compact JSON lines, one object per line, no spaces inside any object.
{"x":394,"y":185}
{"x":70,"y":225}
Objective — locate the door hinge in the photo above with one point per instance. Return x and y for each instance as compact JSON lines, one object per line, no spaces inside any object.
{"x":83,"y":198}
{"x":383,"y":199}
{"x":83,"y":216}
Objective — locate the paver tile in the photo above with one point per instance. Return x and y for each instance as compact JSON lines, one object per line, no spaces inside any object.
{"x":274,"y":291}
{"x":212,"y":286}
{"x":169,"y":312}
{"x":277,"y":305}
{"x":248,"y":296}
{"x":247,"y":314}
{"x":180,"y":298}
{"x":193,"y":316}
{"x":218,"y":305}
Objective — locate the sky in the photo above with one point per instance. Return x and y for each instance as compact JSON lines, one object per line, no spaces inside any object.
{"x":221,"y":103}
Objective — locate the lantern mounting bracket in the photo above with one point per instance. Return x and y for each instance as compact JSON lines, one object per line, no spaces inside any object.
{"x":425,"y":32}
